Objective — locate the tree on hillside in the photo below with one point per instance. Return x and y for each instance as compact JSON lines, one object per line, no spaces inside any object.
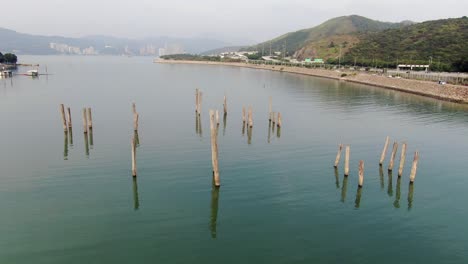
{"x":2,"y":59}
{"x":10,"y":58}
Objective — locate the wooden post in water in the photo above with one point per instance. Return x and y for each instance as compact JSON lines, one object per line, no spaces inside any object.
{"x":279,"y":120}
{"x":338,"y":155}
{"x":225,"y":106}
{"x":134,"y":108}
{"x":346,"y":168}
{"x":134,"y":168}
{"x":250,"y":117}
{"x":402,"y":159}
{"x":214,"y":149}
{"x":243,"y":114}
{"x":69,"y":118}
{"x":384,"y":151}
{"x":90,"y":118}
{"x":135,"y":121}
{"x":392,"y":158}
{"x":269,"y":109}
{"x":414,"y":167}
{"x":217,"y":118}
{"x":64,"y":120}
{"x":196,"y":100}
{"x":361,"y":173}
{"x":273,"y":118}
{"x":85,"y":121}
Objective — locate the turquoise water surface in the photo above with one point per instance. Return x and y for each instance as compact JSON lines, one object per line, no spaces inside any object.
{"x":280,"y":200}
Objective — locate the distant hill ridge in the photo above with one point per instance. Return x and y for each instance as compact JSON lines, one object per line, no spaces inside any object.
{"x":339,"y":26}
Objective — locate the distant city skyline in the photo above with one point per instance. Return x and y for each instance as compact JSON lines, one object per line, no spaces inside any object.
{"x":239,"y":22}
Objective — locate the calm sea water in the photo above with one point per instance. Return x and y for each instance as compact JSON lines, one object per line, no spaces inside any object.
{"x":281,"y":200}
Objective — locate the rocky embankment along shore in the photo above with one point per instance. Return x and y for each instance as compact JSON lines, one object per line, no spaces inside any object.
{"x":447,"y":92}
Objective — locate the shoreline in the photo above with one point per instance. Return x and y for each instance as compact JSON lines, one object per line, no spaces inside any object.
{"x":447,"y":92}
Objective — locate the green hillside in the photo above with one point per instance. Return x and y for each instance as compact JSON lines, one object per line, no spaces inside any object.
{"x":345,"y":25}
{"x":445,"y":41}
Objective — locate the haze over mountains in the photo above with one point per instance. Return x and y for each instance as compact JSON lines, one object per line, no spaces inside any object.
{"x":20,"y":43}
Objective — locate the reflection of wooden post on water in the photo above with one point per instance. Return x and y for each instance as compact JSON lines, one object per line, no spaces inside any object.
{"x":134,"y":108}
{"x":136,"y":200}
{"x":396,"y":204}
{"x":224,"y":124}
{"x":64,"y":120}
{"x":410,"y":195}
{"x":361,"y":173}
{"x":199,"y":102}
{"x":86,"y":144}
{"x":346,"y":168}
{"x":414,"y":167}
{"x":357,"y":202}
{"x":382,"y":184}
{"x":134,"y":168}
{"x":90,"y":133}
{"x":337,"y":178}
{"x":402,"y":159}
{"x":390,"y":184}
{"x":392,"y":158}
{"x":384,"y":151}
{"x":344,"y":186}
{"x":338,"y":155}
{"x":70,"y":134}
{"x":85,"y":121}
{"x":65,"y":146}
{"x":214,"y":210}
{"x":249,"y":135}
{"x":69,"y":118}
{"x":214,"y":149}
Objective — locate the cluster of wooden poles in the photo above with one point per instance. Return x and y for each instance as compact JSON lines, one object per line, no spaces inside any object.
{"x":247,"y":121}
{"x":68,"y":127}
{"x":382,"y":159}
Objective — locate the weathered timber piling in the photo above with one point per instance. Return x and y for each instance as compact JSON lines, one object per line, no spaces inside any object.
{"x":243,"y":114}
{"x":346,"y":168}
{"x":392,"y":157}
{"x":90,"y":118}
{"x":384,"y":151}
{"x":64,"y":120}
{"x":135,"y":121}
{"x":269,"y":109}
{"x":338,"y":155}
{"x":134,"y":108}
{"x":361,"y":173}
{"x":69,"y":118}
{"x":85,"y":121}
{"x":134,"y":168}
{"x":250,"y":117}
{"x":217,"y":118}
{"x":279,"y":120}
{"x":414,"y":167}
{"x":225,"y":106}
{"x":402,"y":159}
{"x":196,"y":100}
{"x":273,"y":116}
{"x":214,"y":149}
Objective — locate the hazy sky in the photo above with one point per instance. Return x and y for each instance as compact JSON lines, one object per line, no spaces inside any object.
{"x":234,"y":21}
